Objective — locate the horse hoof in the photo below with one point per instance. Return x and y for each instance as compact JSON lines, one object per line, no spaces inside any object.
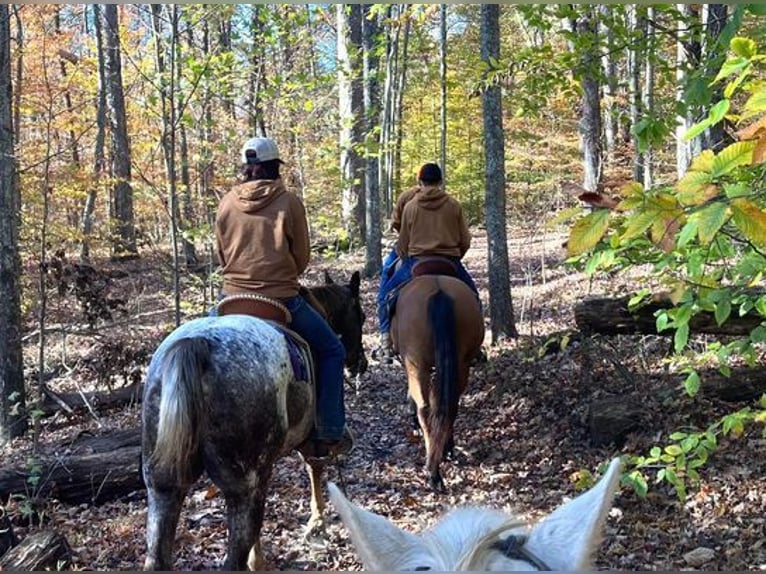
{"x":437,"y":484}
{"x":315,"y":528}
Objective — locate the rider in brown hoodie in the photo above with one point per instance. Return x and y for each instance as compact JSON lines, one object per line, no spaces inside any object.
{"x":263,"y":247}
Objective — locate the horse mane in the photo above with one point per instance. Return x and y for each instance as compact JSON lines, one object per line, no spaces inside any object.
{"x":332,"y":298}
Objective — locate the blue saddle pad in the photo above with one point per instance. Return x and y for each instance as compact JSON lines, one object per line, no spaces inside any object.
{"x":297,"y":357}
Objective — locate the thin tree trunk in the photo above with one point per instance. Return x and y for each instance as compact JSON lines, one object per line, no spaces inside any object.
{"x":19,"y":73}
{"x":399,"y":101}
{"x":636,"y":21}
{"x":351,"y":107}
{"x":443,"y":81}
{"x":371,"y":61}
{"x":685,"y":54}
{"x":590,"y":122}
{"x":125,"y":242}
{"x":384,"y":171}
{"x":99,"y":159}
{"x":714,"y":20}
{"x":609,"y":62}
{"x":13,"y":420}
{"x":502,"y":322}
{"x":167,"y":97}
{"x":647,"y":98}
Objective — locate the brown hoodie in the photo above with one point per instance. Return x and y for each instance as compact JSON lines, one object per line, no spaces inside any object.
{"x":433,"y":224}
{"x":263,"y":239}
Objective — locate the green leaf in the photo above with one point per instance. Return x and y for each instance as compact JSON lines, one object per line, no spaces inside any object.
{"x":735,"y":190}
{"x":744,"y":47}
{"x":655,"y":452}
{"x":662,"y":322}
{"x":710,"y":220}
{"x":733,"y":156}
{"x":757,"y":9}
{"x":732,"y":66}
{"x":681,"y":337}
{"x":688,"y":232}
{"x":691,"y":188}
{"x":588,"y":231}
{"x":722,"y":311}
{"x":673,"y":449}
{"x":692,"y":384}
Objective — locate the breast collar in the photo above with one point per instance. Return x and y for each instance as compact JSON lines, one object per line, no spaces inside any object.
{"x":513,"y":547}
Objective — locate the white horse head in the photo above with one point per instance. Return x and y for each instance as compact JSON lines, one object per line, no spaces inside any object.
{"x":482,"y":539}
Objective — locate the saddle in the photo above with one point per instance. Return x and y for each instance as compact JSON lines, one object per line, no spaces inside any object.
{"x":279,"y":316}
{"x":433,"y":265}
{"x":256,"y":306}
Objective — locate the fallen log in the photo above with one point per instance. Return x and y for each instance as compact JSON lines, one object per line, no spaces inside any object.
{"x":69,"y":402}
{"x":610,"y":316}
{"x":91,"y":470}
{"x":610,"y":419}
{"x":743,"y":384}
{"x":39,"y":551}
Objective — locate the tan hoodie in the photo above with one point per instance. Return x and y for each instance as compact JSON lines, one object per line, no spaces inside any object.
{"x":263,"y":239}
{"x":433,"y":224}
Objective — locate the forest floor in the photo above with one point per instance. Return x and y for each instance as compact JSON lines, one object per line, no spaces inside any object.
{"x":521,"y":433}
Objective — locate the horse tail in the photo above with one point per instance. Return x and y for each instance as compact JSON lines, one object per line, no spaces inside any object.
{"x":182,"y":404}
{"x":441,"y":316}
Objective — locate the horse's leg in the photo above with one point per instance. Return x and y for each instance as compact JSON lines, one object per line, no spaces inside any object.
{"x":419,"y":380}
{"x":244,"y":517}
{"x":316,"y":522}
{"x":413,"y":414}
{"x":164,"y":509}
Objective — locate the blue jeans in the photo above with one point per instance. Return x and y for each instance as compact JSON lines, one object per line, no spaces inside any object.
{"x":404,"y":274}
{"x":329,"y":356}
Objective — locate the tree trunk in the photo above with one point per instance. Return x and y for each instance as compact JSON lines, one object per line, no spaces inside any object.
{"x":609,"y":64}
{"x":186,"y":218}
{"x":13,"y":421}
{"x":125,"y":242}
{"x":443,"y":82}
{"x":714,"y":17}
{"x":167,"y":79}
{"x":38,"y":552}
{"x":687,"y":52}
{"x":54,"y":402}
{"x":608,"y":316}
{"x":500,"y":301}
{"x":351,"y":104}
{"x":94,"y":470}
{"x":399,"y":101}
{"x":634,"y":64}
{"x":647,"y":96}
{"x":590,"y":122}
{"x":99,"y":160}
{"x":370,"y":31}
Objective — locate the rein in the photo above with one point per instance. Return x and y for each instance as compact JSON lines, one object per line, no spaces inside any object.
{"x":513,"y":547}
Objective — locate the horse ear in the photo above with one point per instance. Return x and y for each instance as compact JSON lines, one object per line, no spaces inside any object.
{"x":354,"y":284}
{"x":327,"y":279}
{"x":380,"y":544}
{"x":565,"y":539}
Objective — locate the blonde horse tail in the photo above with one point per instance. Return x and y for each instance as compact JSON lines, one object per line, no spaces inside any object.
{"x":444,"y":393}
{"x":182,"y":404}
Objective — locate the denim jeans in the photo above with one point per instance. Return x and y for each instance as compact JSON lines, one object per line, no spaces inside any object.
{"x":329,"y":356}
{"x":404,"y":274}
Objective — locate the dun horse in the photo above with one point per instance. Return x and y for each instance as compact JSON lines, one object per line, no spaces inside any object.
{"x":221,"y":396}
{"x":437,"y":329}
{"x":482,"y":539}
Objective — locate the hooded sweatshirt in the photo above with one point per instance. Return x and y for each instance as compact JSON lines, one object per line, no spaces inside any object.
{"x":263,"y":239}
{"x":433,"y":224}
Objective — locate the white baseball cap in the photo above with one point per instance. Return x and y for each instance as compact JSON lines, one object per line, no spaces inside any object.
{"x":265,"y":150}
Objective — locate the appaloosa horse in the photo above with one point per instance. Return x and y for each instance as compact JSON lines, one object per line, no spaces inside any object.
{"x":221,"y":396}
{"x":437,"y":329}
{"x":484,"y":539}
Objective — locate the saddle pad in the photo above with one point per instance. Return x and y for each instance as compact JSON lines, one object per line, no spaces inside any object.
{"x":255,"y":306}
{"x":434,"y":266}
{"x":300,"y":354}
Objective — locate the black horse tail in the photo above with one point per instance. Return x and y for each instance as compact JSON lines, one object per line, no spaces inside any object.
{"x":441,"y":316}
{"x":182,"y":404}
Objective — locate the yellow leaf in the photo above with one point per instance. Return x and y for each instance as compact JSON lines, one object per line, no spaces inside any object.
{"x":631,"y":189}
{"x":588,"y":231}
{"x":679,"y":290}
{"x":664,"y":232}
{"x":750,"y":220}
{"x":733,"y":156}
{"x":703,"y":162}
{"x":639,"y":223}
{"x":692,"y":182}
{"x":759,"y":153}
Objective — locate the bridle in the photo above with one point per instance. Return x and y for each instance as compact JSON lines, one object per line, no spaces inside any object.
{"x":513,"y":547}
